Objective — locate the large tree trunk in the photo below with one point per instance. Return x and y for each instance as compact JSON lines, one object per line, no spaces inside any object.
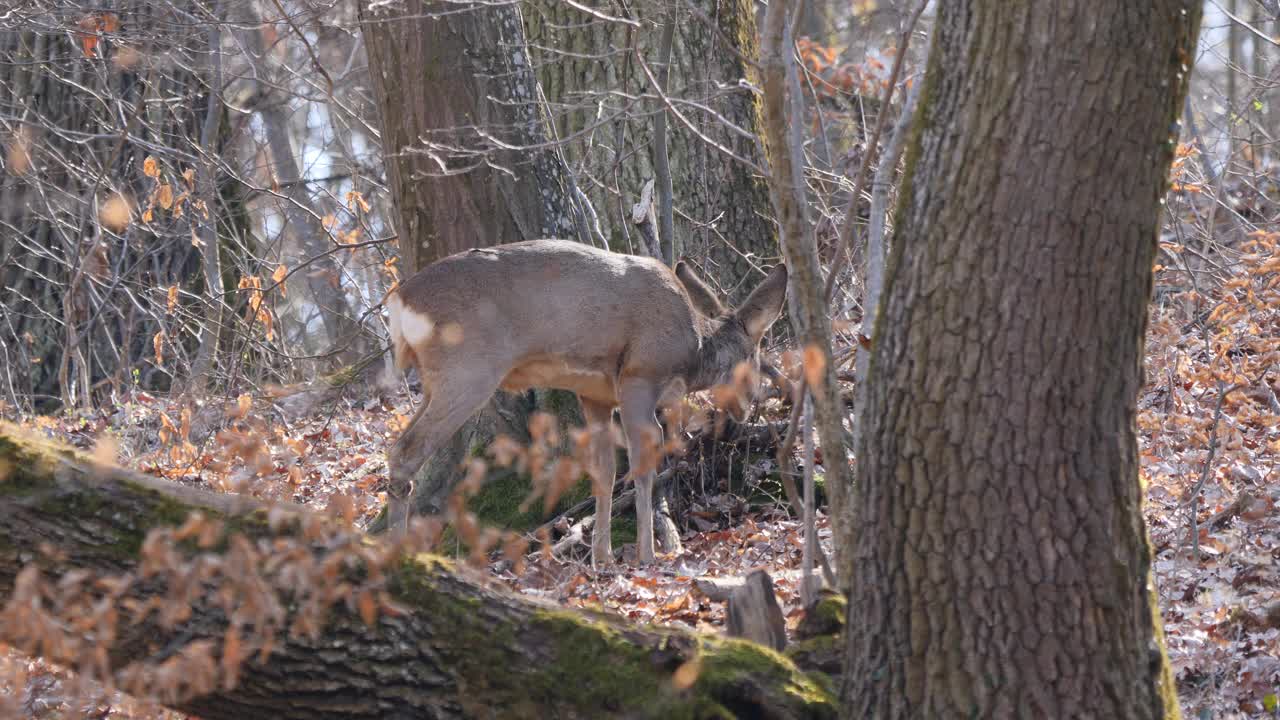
{"x":460,"y":649}
{"x":446,"y":86}
{"x":458,"y":90}
{"x":590,"y":69}
{"x":1001,"y":565}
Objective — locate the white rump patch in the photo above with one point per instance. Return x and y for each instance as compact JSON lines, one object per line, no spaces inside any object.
{"x":409,"y":329}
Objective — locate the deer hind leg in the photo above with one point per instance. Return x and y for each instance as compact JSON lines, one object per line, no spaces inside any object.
{"x":452,"y":400}
{"x":644,"y":439}
{"x":603,"y":469}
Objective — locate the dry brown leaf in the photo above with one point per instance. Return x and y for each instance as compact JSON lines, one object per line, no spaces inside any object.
{"x":115,"y":212}
{"x":368,"y":608}
{"x":18,"y":156}
{"x":687,"y":674}
{"x":815,"y":365}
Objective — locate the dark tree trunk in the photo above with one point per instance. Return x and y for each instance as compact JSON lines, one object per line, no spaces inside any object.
{"x":448,"y":80}
{"x":1001,"y":565}
{"x":463,"y":83}
{"x":460,"y":649}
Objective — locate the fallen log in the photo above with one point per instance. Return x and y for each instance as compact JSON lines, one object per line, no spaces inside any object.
{"x":455,"y":647}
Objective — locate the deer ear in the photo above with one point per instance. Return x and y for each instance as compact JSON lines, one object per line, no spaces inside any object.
{"x":764,"y":305}
{"x":704,"y":300}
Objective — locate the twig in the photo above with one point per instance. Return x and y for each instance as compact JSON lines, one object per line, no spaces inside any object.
{"x":787,"y":472}
{"x":1194,"y":501}
{"x":661,"y":163}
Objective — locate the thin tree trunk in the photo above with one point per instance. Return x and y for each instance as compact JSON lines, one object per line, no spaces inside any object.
{"x":1234,"y":110}
{"x":806,"y":296}
{"x":211,"y":262}
{"x":460,"y":649}
{"x":999,"y":550}
{"x":311,"y":242}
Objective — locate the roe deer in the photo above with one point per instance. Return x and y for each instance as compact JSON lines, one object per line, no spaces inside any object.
{"x":619,"y":330}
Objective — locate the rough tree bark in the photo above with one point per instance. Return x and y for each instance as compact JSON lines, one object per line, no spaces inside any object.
{"x":585,"y":62}
{"x":1000,"y":559}
{"x":456,"y":92}
{"x":451,"y":81}
{"x":461,"y":649}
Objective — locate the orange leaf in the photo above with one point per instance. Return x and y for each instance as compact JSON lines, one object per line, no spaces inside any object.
{"x":368,"y":608}
{"x":357,"y":198}
{"x":815,"y":364}
{"x":173,"y":297}
{"x":88,"y":40}
{"x":278,"y":277}
{"x":157,"y":341}
{"x":150,"y":167}
{"x":115,"y":212}
{"x":18,"y":157}
{"x":244,"y":404}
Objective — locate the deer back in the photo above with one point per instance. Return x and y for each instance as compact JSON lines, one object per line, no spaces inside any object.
{"x":538,"y":300}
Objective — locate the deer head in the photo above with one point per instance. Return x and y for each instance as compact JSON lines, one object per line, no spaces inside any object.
{"x":730,"y":353}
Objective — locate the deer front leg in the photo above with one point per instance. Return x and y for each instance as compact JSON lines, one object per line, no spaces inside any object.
{"x":403,"y":462}
{"x":444,"y":410}
{"x":644,"y":438}
{"x":599,"y":417}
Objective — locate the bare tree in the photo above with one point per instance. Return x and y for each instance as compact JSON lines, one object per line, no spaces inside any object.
{"x":139,"y":234}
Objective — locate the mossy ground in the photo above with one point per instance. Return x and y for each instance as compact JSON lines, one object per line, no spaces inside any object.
{"x":498,"y":505}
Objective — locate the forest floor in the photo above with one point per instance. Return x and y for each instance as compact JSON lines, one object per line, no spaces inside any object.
{"x":1209,"y":418}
